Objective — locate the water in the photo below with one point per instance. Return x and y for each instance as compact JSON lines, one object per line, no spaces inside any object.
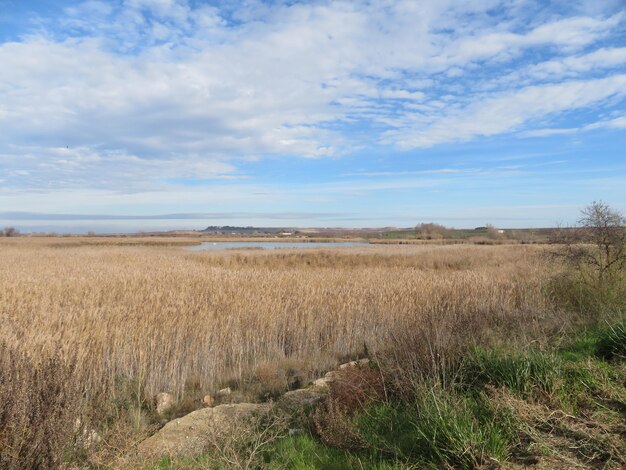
{"x":270,"y":245}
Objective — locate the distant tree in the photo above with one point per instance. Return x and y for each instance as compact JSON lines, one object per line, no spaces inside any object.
{"x":432,"y":230}
{"x":493,"y":232}
{"x":10,"y":232}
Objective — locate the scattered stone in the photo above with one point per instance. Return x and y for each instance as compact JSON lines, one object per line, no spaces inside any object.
{"x":359,"y":363}
{"x":164,"y":403}
{"x":208,"y":401}
{"x":86,"y":437}
{"x":224,"y":392}
{"x":190,"y":435}
{"x":297,"y":399}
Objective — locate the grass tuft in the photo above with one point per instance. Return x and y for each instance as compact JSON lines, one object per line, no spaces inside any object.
{"x":612,"y":341}
{"x":529,"y":375}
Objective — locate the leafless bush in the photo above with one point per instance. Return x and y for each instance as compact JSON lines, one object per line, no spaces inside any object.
{"x":335,"y":429}
{"x":9,"y":232}
{"x":594,"y":253}
{"x":353,"y":388}
{"x":494,"y":233}
{"x":241,"y":445}
{"x":432,"y":231}
{"x":38,"y":409}
{"x":597,"y":243}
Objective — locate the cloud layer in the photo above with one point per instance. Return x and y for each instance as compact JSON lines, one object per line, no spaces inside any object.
{"x":139,"y":95}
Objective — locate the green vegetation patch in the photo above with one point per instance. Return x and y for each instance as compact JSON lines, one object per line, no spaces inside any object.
{"x":611,"y":342}
{"x":527,"y":375}
{"x":440,"y":428}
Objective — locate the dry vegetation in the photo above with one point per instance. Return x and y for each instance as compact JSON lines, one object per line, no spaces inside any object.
{"x":133,"y":318}
{"x":165,"y":316}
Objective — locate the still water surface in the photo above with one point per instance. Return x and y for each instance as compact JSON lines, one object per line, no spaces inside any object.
{"x":270,"y":245}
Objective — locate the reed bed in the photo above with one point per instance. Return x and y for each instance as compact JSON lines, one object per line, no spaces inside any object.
{"x":166,"y":316}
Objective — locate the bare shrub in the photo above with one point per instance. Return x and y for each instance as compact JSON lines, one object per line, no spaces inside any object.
{"x":334,"y":427}
{"x":494,"y":233}
{"x":241,"y":446}
{"x":353,"y":388}
{"x":594,"y":254}
{"x":351,"y":391}
{"x":39,"y":405}
{"x":598,"y":242}
{"x":9,"y":232}
{"x":432,"y":231}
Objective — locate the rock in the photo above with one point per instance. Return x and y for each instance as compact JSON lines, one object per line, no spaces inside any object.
{"x":86,"y":437}
{"x":359,"y":363}
{"x":296,"y":432}
{"x":191,"y":435}
{"x":164,"y":403}
{"x":330,"y":376}
{"x":301,"y":398}
{"x":208,"y":401}
{"x":224,"y":392}
{"x":322,"y":383}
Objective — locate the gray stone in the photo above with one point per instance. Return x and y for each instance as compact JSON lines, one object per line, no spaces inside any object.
{"x":359,"y":363}
{"x":301,"y":398}
{"x":322,"y":383}
{"x":223,"y":392}
{"x":193,"y":433}
{"x":164,"y":403}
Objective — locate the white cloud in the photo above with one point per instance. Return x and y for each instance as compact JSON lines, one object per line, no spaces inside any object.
{"x":506,"y":112}
{"x":171,"y":90}
{"x":615,"y":123}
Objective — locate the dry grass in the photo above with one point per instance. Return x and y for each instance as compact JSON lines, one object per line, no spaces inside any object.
{"x":164,"y":316}
{"x":136,"y":317}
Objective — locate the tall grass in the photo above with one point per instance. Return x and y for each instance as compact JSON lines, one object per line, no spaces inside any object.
{"x":164,"y":317}
{"x":130,"y":321}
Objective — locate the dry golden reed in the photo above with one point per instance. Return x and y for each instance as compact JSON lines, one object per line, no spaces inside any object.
{"x":165,"y":316}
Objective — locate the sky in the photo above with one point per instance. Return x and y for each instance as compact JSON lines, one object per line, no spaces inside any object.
{"x":157,"y":114}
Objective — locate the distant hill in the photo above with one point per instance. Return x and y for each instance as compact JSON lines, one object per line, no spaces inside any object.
{"x":224,"y":229}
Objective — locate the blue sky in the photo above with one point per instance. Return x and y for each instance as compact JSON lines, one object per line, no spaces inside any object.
{"x":320,"y":113}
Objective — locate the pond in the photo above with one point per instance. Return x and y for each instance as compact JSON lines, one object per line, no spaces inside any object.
{"x":270,"y":245}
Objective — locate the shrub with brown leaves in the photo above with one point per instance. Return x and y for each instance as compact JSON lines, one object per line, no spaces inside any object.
{"x":38,"y":406}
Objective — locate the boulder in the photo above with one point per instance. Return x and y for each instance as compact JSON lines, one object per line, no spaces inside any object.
{"x":358,"y":363}
{"x":330,"y":376}
{"x":192,"y":434}
{"x":322,"y":383}
{"x":223,"y":392}
{"x":302,"y":398}
{"x":164,"y":403}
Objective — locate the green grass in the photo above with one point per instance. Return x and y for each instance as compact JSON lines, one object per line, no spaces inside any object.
{"x":439,"y":428}
{"x":579,"y":350}
{"x":612,"y":341}
{"x":306,"y":453}
{"x":605,"y":342}
{"x":526,"y":375}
